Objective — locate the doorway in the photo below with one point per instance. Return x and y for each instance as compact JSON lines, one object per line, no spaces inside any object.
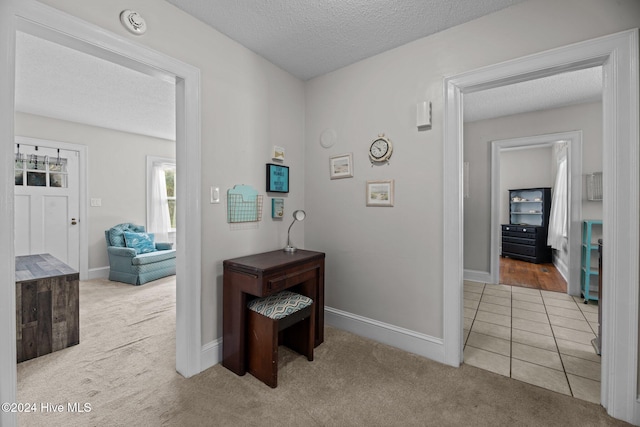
{"x":570,"y":259}
{"x":50,"y":201}
{"x":43,"y":21}
{"x":618,"y":55}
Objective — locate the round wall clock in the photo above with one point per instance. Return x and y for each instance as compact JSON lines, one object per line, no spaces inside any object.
{"x":380,"y":149}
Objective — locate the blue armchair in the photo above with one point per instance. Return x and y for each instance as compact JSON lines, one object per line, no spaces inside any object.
{"x":135,"y":258}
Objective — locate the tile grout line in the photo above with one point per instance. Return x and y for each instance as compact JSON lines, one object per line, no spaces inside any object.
{"x":511,"y":338}
{"x":564,"y":370}
{"x":473,"y":321}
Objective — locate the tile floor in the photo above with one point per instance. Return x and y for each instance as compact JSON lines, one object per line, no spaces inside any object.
{"x":539,"y":337}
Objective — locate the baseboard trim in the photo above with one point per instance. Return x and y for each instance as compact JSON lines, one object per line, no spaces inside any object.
{"x":562,"y":267}
{"x":404,"y":339}
{"x":98,"y":273}
{"x":477,"y":276}
{"x":211,"y":354}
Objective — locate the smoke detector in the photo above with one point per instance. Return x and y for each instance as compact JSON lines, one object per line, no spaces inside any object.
{"x":133,"y":22}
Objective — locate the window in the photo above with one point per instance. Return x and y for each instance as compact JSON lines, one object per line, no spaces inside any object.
{"x":170,"y":183}
{"x":40,"y":171}
{"x":161,"y":195}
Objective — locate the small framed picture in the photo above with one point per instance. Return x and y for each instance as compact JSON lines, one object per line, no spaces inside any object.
{"x":341,"y":166}
{"x":278,"y":153}
{"x":277,"y":208}
{"x":277,"y":178}
{"x":380,"y":193}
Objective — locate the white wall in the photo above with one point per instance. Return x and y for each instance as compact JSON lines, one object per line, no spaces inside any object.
{"x":477,"y":150}
{"x":117,"y":172}
{"x":248,"y":105}
{"x":529,"y":168}
{"x":386,"y":264}
{"x":382,"y":263}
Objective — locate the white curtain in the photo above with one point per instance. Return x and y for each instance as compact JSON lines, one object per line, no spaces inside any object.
{"x":159,"y":221}
{"x":558,"y":230}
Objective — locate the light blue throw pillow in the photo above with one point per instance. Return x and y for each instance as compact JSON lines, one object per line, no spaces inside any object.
{"x":141,"y":242}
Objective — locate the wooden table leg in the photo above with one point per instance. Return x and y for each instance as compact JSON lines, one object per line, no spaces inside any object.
{"x":233,"y":327}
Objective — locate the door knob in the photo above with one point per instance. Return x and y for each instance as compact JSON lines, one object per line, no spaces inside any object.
{"x":73,"y":221}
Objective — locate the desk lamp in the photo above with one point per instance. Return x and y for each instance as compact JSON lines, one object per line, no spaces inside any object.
{"x":298,"y":215}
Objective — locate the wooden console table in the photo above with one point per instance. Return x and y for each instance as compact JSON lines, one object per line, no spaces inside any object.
{"x":47,"y":306}
{"x":261,"y":275}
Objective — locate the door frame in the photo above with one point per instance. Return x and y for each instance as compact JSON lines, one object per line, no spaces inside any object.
{"x":46,"y":22}
{"x":574,"y":171}
{"x":83,"y":188}
{"x":618,"y":54}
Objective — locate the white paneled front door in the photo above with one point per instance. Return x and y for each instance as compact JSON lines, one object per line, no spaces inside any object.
{"x":47,"y":203}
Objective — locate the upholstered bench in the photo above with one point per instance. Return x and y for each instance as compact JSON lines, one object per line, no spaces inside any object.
{"x":287,"y":314}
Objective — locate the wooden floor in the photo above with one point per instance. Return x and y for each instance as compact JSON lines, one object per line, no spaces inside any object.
{"x":529,"y":275}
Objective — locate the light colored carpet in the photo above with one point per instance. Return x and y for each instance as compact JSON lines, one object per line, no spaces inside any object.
{"x":124,"y":367}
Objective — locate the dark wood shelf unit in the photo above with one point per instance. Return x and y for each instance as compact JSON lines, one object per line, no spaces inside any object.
{"x":525,"y":237}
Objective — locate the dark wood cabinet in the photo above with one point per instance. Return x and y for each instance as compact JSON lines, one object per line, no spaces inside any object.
{"x":525,"y":237}
{"x":47,"y":306}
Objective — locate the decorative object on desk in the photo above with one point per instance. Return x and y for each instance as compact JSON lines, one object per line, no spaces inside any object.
{"x":277,"y":208}
{"x":380,"y":193}
{"x":341,"y":166}
{"x":243,"y":204}
{"x":278,"y":153}
{"x":380,"y":150}
{"x":277,"y":178}
{"x":328,"y":138}
{"x":298,"y":215}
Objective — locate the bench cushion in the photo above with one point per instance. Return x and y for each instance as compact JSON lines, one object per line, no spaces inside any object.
{"x":279,"y":305}
{"x":153,"y":257}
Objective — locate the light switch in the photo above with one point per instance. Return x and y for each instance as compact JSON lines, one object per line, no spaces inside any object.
{"x":96,"y":202}
{"x":215,"y":194}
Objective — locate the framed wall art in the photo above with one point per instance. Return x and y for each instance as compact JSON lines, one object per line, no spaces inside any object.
{"x":278,"y":153}
{"x":277,"y":178}
{"x":341,"y":166}
{"x":277,"y":208}
{"x":380,"y":193}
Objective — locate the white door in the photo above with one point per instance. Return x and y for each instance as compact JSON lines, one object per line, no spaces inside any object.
{"x":47,"y":203}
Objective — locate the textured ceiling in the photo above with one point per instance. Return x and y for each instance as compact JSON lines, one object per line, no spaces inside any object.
{"x":63,"y":83}
{"x":306,"y":38}
{"x":309,"y":38}
{"x":575,"y":87}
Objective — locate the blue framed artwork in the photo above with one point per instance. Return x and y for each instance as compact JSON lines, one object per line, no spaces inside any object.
{"x":277,"y":178}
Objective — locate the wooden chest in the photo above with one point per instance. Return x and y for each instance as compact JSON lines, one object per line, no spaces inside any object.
{"x":47,"y":306}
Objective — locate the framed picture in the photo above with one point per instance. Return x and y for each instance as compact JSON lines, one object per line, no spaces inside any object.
{"x":278,"y":153}
{"x":277,"y":208}
{"x":277,"y":178}
{"x":341,"y":166}
{"x":380,"y":193}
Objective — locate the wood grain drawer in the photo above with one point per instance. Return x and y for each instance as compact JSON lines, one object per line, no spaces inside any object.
{"x":519,"y":229}
{"x":278,"y":283}
{"x":519,"y":240}
{"x":519,"y":249}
